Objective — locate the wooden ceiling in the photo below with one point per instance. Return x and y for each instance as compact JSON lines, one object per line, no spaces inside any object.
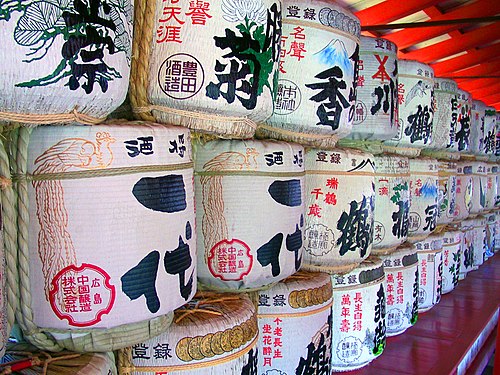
{"x":463,"y":42}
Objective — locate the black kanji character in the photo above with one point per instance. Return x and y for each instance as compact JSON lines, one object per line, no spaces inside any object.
{"x":431,"y":217}
{"x":269,"y":254}
{"x":420,"y":125}
{"x":294,"y":244}
{"x":379,"y":338}
{"x":400,"y":219}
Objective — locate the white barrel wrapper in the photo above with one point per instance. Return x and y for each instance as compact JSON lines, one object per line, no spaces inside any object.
{"x":447,"y":192}
{"x":462,"y":134}
{"x":445,"y":116}
{"x":467,"y":248}
{"x":424,"y":177}
{"x":491,"y":231}
{"x":359,"y":316}
{"x":401,"y":285}
{"x":479,"y":187}
{"x":316,"y":92}
{"x":295,"y":325}
{"x":491,"y":186}
{"x":452,"y":243}
{"x":464,"y":190}
{"x":241,"y":186}
{"x":65,"y":56}
{"x":376,"y":112}
{"x":430,"y":270}
{"x":491,"y":122}
{"x":339,"y":209}
{"x":111,"y":212}
{"x":477,"y":132}
{"x":497,"y":232}
{"x":392,"y":202}
{"x":213,"y":335}
{"x":479,"y":244}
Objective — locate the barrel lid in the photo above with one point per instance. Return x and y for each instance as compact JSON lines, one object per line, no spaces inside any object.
{"x":391,"y":164}
{"x":445,"y":85}
{"x":404,"y":256}
{"x":414,"y":68}
{"x":452,"y":237}
{"x":371,"y":44}
{"x":371,"y":269}
{"x":424,"y":165}
{"x":340,"y":160}
{"x":432,"y":243}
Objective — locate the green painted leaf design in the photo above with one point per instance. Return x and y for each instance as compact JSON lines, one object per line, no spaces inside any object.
{"x":38,"y":18}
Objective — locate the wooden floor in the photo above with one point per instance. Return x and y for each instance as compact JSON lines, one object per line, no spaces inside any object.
{"x":439,"y":341}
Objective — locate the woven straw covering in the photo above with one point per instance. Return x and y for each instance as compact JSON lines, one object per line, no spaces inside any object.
{"x":82,"y":265}
{"x":447,"y":192}
{"x":430,"y":268}
{"x":213,"y":334}
{"x":199,"y":76}
{"x":445,"y":119}
{"x":452,"y":243}
{"x":467,"y":248}
{"x":401,"y":278}
{"x":362,"y":329}
{"x":242,"y":186}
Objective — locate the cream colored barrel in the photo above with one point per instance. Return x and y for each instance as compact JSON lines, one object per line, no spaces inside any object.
{"x":490,"y":131}
{"x":491,"y":186}
{"x":392,"y":202}
{"x":376,"y":110}
{"x":452,"y":242}
{"x":416,"y":110}
{"x":467,"y":248}
{"x":445,"y":116}
{"x":67,"y":61}
{"x":208,"y":66}
{"x":106,"y":217}
{"x":477,"y":130}
{"x":339,"y":209}
{"x":464,"y":190}
{"x":250,"y":212}
{"x":212,"y":335}
{"x":295,"y":325}
{"x":480,"y":244}
{"x":496,"y":181}
{"x":490,"y":235}
{"x":497,"y":231}
{"x":462,"y":134}
{"x":359,"y":316}
{"x":401,"y":285}
{"x":447,"y":192}
{"x":424,"y":207}
{"x":479,"y":187}
{"x":430,"y":269}
{"x":318,"y":72}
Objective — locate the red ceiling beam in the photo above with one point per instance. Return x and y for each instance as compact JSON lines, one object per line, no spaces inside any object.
{"x":475,"y":38}
{"x":486,"y":69}
{"x":490,"y":99}
{"x":474,"y":84}
{"x":472,"y":58}
{"x":480,"y":93}
{"x":408,"y":37}
{"x":391,"y":10}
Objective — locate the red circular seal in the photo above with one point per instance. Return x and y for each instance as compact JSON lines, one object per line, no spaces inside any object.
{"x":230,"y":260}
{"x":82,"y":295}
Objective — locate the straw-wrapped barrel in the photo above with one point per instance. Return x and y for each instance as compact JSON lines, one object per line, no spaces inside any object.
{"x":67,"y":60}
{"x":99,"y":209}
{"x":250,"y":212}
{"x":477,"y":131}
{"x":452,"y":242}
{"x":446,"y":114}
{"x":430,"y":268}
{"x":339,"y":209}
{"x":318,"y":73}
{"x":464,"y":190}
{"x":447,"y":192}
{"x":467,"y":248}
{"x":462,"y":134}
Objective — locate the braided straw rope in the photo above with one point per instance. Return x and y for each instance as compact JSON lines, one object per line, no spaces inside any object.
{"x":373,"y":147}
{"x":98,"y":340}
{"x":73,"y":116}
{"x":9,"y":213}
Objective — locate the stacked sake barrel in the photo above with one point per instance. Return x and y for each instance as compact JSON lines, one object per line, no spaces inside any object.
{"x":430,"y":271}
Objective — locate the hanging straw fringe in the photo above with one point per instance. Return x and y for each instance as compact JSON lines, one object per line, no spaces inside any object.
{"x":46,"y":119}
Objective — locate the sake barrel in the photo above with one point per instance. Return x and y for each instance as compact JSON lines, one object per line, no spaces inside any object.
{"x":464,"y":190}
{"x":497,"y":131}
{"x":20,"y":359}
{"x":375,"y":116}
{"x":477,"y":132}
{"x":430,"y":266}
{"x":423,"y":198}
{"x":496,"y":182}
{"x":497,"y":231}
{"x":209,"y":66}
{"x":462,"y":134}
{"x":447,"y":192}
{"x":479,"y":187}
{"x":315,"y":97}
{"x":490,"y":235}
{"x":452,"y":241}
{"x":339,"y":209}
{"x":490,"y":129}
{"x":211,"y":335}
{"x":491,"y":186}
{"x":479,"y":244}
{"x":416,"y":108}
{"x":125,"y":189}
{"x":401,"y":285}
{"x":242,"y":186}
{"x":295,"y":325}
{"x":68,"y":61}
{"x":392,"y":202}
{"x":467,"y":248}
{"x":359,"y":316}
{"x":445,"y":116}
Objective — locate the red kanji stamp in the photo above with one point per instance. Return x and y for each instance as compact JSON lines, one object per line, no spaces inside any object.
{"x":230,"y":260}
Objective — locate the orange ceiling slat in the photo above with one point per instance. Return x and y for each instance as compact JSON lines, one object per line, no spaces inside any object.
{"x":475,"y":38}
{"x":486,"y":91}
{"x":490,"y":99}
{"x":474,"y":84}
{"x":391,"y":10}
{"x":408,"y":37}
{"x":472,"y":58}
{"x":489,"y":68}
